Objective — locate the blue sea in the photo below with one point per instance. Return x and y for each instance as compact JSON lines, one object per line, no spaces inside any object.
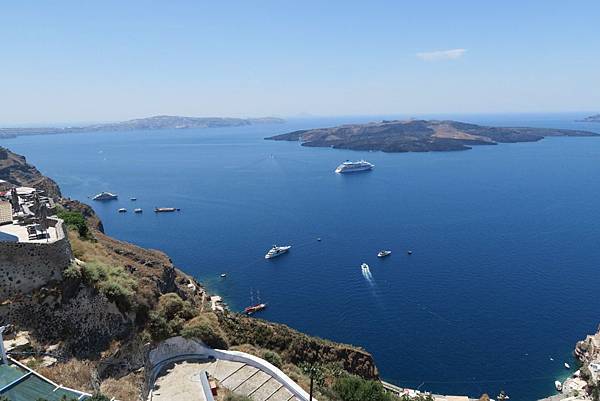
{"x":503,"y":278}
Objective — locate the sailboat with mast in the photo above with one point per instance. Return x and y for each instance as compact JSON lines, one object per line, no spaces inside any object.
{"x":253,"y":308}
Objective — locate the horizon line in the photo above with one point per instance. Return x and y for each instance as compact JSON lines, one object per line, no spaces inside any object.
{"x":299,"y":116}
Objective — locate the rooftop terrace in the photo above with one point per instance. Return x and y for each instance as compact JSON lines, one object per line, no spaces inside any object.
{"x":19,"y":383}
{"x":33,"y":232}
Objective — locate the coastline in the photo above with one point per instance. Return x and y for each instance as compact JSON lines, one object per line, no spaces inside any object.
{"x":123,"y":247}
{"x":82,"y":324}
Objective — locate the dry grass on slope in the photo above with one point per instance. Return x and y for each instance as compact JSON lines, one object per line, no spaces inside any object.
{"x":75,"y":373}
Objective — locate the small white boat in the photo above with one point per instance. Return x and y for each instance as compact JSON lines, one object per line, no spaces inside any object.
{"x":567,"y":366}
{"x":137,"y":210}
{"x":166,"y":209}
{"x":383,"y":254}
{"x":503,"y":396}
{"x":122,"y":210}
{"x":223,"y":275}
{"x":132,"y":199}
{"x":104,"y":196}
{"x":364,"y":266}
{"x":558,"y":385}
{"x":277,"y":251}
{"x":409,"y":252}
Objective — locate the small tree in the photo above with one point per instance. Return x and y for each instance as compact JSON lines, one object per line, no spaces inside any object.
{"x":273,"y":358}
{"x":76,"y":221}
{"x":202,"y":329}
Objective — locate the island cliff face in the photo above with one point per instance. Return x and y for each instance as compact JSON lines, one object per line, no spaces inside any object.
{"x":419,"y":136}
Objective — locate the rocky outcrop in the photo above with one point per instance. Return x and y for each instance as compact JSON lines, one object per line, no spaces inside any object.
{"x":588,"y":350}
{"x":15,"y":169}
{"x":87,"y":212}
{"x":295,"y":346}
{"x":84,"y":324}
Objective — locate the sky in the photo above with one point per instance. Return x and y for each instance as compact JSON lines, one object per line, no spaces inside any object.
{"x":80,"y":61}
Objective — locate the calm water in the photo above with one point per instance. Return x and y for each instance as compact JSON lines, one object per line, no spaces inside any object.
{"x":505,"y":240}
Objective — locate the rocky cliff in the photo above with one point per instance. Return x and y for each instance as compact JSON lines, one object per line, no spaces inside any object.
{"x":588,"y":350}
{"x":295,"y":346}
{"x":15,"y":169}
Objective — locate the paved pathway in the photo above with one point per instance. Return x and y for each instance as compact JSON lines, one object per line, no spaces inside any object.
{"x":180,"y":381}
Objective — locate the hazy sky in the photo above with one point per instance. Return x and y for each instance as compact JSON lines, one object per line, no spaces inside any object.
{"x":74,"y":61}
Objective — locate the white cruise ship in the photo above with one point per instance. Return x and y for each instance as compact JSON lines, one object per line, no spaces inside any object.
{"x":102,"y":196}
{"x":352,"y":167}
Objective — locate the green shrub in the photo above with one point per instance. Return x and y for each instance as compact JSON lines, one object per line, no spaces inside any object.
{"x":76,"y":221}
{"x":273,"y":358}
{"x":158,"y":327}
{"x":316,"y":370}
{"x":72,"y":272}
{"x":203,"y":329}
{"x":595,"y":391}
{"x":112,"y":281}
{"x":354,"y":388}
{"x":98,"y":397}
{"x":171,"y":306}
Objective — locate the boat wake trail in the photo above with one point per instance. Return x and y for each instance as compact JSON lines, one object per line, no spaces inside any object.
{"x":367,"y":275}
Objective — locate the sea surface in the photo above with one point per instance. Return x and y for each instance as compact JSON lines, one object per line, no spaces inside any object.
{"x":504,"y":275}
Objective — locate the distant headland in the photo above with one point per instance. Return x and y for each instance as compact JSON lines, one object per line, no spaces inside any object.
{"x":148,"y":123}
{"x":419,"y":135}
{"x":592,"y":119}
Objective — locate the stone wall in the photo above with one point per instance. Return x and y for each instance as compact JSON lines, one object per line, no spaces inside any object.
{"x":27,"y":266}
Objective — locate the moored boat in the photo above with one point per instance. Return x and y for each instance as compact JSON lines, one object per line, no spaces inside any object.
{"x":384,"y":253}
{"x":254,"y":308}
{"x":277,"y":251}
{"x":137,"y":210}
{"x":105,"y":196}
{"x":165,"y":209}
{"x":503,"y":396}
{"x":567,"y":366}
{"x":558,"y":385}
{"x":122,"y":210}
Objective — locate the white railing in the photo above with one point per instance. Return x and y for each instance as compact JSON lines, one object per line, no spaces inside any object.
{"x":178,"y":349}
